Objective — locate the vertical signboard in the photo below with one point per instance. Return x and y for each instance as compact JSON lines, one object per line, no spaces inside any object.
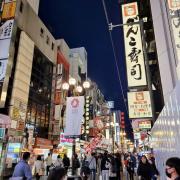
{"x":74,"y":115}
{"x":136,"y":73}
{"x":9,"y":9}
{"x":174,"y":11}
{"x":139,"y":104}
{"x":5,"y":39}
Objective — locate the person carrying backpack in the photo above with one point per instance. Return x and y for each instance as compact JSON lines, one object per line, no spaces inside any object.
{"x":66,"y":162}
{"x":105,"y":165}
{"x":85,"y":170}
{"x":92,"y":166}
{"x":75,"y":164}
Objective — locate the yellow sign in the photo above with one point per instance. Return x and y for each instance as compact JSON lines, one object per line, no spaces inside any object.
{"x":9,"y":10}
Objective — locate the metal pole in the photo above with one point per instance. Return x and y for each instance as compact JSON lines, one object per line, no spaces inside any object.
{"x":73,"y":155}
{"x":149,"y":83}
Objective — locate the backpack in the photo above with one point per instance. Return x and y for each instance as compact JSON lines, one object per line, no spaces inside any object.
{"x":85,"y":167}
{"x":76,"y":163}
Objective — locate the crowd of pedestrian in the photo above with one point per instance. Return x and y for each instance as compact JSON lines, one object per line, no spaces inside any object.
{"x":107,"y":166}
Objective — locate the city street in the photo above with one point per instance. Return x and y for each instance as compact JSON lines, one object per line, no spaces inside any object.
{"x":90,"y":88}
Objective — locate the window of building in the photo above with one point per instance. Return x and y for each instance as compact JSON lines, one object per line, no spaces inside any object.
{"x":52,"y":46}
{"x":42,"y":32}
{"x":47,"y":40}
{"x":79,"y":70}
{"x":39,"y":102}
{"x":21,"y":7}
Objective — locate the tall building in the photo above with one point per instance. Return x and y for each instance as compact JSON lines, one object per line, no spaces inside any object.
{"x":28,"y":58}
{"x":34,"y":4}
{"x":165,"y":133}
{"x":78,"y":64}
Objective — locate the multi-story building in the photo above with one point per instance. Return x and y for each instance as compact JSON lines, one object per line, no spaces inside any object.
{"x":165,"y":133}
{"x":162,"y":29}
{"x":28,"y":58}
{"x":78,"y":64}
{"x":62,"y":75}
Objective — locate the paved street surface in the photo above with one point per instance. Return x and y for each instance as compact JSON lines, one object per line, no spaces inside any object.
{"x":124,"y":177}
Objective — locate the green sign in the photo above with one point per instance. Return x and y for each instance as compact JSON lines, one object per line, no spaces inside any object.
{"x":2,"y":133}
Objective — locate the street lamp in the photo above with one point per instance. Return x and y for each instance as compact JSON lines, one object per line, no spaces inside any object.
{"x":65,"y":86}
{"x":86,"y":85}
{"x":79,"y":89}
{"x":75,"y":89}
{"x":72,"y":81}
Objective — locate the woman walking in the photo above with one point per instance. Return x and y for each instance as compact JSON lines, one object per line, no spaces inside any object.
{"x":39,"y":168}
{"x":144,"y":170}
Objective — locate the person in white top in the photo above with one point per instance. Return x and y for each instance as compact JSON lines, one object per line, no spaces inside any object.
{"x":58,"y":162}
{"x":48,"y":163}
{"x":39,"y":168}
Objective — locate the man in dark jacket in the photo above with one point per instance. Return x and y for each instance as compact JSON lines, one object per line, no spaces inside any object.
{"x":119,"y":166}
{"x":66,"y":162}
{"x":105,"y":165}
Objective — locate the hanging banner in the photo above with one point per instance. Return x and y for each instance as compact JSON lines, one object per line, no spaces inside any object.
{"x":9,"y":10}
{"x":139,"y":104}
{"x":135,"y":66}
{"x":5,"y":39}
{"x":174,"y":11}
{"x":74,"y":116}
{"x":6,"y":29}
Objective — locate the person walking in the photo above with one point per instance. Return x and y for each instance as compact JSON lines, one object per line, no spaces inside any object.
{"x":58,"y":173}
{"x":99,"y":159}
{"x":85,"y":170}
{"x":144,"y":170}
{"x":39,"y":168}
{"x":173,"y":168}
{"x":118,"y":165}
{"x":130,"y":167}
{"x":75,"y":164}
{"x":113,"y":168}
{"x":92,"y":166}
{"x":48,"y":163}
{"x":66,"y":162}
{"x":155,"y":172}
{"x":105,"y":165}
{"x":58,"y":162}
{"x":22,"y":169}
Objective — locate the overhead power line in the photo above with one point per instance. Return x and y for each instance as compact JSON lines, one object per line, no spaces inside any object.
{"x":115,"y":56}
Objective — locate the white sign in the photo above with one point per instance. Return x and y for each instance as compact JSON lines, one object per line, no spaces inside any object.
{"x":8,"y":1}
{"x":145,"y":124}
{"x":4,"y":48}
{"x":174,"y":9}
{"x":74,"y":115}
{"x":137,"y":135}
{"x":6,"y":29}
{"x":110,"y":104}
{"x":139,"y":104}
{"x":3,"y":66}
{"x":136,"y":73}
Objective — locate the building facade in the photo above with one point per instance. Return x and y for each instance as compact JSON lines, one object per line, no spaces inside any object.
{"x":165,"y":132}
{"x":28,"y":64}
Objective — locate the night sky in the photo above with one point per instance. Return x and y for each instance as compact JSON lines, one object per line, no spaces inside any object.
{"x":83,"y":23}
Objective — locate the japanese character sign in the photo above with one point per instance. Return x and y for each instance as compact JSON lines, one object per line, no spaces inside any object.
{"x":136,"y":73}
{"x":174,"y":11}
{"x":139,"y":104}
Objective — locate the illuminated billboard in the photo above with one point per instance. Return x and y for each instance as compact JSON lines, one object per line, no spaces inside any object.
{"x":139,"y":104}
{"x":135,"y":65}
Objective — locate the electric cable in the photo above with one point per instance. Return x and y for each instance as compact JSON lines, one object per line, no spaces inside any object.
{"x":115,"y":56}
